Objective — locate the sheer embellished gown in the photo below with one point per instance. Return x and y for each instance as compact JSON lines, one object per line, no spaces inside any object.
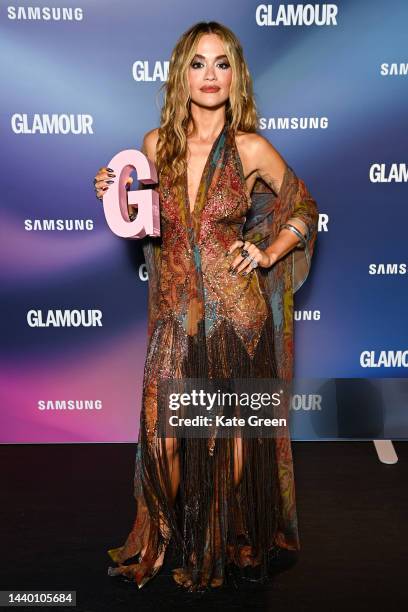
{"x":206,"y":323}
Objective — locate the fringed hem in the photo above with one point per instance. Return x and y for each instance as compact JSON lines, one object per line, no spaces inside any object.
{"x":223,"y":501}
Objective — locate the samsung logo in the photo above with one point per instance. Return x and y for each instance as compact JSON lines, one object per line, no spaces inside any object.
{"x":69,"y":404}
{"x":59,"y":225}
{"x":293,"y":123}
{"x":387,"y":269}
{"x":306,"y":315}
{"x":45,"y":13}
{"x":394,"y":69}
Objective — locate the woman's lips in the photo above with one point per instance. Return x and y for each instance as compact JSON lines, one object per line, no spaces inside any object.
{"x":210,"y":89}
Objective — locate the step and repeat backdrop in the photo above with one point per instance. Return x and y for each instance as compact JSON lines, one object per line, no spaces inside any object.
{"x":80,"y":81}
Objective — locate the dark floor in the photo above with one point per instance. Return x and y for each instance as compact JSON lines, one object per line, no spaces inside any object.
{"x":64,"y":505}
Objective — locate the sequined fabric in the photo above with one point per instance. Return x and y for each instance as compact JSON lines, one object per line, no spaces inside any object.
{"x":205,"y":323}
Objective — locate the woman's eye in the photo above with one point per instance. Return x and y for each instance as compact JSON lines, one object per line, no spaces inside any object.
{"x":224,"y":65}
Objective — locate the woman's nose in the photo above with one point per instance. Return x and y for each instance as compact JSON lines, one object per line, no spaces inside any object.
{"x":210,"y":74}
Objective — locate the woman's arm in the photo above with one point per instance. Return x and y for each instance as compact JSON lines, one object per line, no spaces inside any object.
{"x":270,"y":167}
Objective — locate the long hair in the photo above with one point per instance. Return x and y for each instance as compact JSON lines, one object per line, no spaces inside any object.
{"x":241,"y":112}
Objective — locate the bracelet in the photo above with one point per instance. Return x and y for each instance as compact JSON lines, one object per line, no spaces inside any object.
{"x":295,"y":230}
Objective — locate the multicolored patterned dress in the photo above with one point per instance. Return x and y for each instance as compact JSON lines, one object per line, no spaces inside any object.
{"x":206,"y":323}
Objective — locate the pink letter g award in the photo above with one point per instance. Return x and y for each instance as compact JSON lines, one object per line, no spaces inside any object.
{"x":117,"y":198}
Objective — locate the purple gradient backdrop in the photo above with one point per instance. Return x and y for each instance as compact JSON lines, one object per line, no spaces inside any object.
{"x":86,"y":67}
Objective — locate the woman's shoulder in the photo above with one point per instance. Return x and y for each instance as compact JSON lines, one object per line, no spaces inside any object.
{"x":259,"y":155}
{"x":254,"y":149}
{"x":253,"y":142}
{"x":150,"y":143}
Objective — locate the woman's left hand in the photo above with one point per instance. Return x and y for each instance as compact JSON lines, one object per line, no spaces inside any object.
{"x":243,"y":264}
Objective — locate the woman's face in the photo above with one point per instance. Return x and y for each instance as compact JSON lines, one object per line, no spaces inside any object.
{"x":209,"y":74}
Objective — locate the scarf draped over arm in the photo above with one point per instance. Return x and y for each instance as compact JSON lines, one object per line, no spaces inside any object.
{"x":264,"y":221}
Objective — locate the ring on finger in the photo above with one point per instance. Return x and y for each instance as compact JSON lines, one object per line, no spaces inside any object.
{"x":244,"y":253}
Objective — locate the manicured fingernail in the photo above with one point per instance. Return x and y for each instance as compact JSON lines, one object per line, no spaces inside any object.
{"x":110,"y":169}
{"x":111,"y":174}
{"x":104,"y":188}
{"x":110,"y":182}
{"x":226,"y":252}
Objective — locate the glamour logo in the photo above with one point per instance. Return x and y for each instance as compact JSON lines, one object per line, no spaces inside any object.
{"x":394,"y":69}
{"x":306,"y":401}
{"x":306,"y":315}
{"x":143,"y":272}
{"x":69,"y":405}
{"x":45,"y":13}
{"x":52,"y":124}
{"x":397,"y":173}
{"x":384,"y":359}
{"x":51,"y":225}
{"x":323,"y":222}
{"x":64,"y":318}
{"x":296,"y":14}
{"x":387,"y":269}
{"x":293,"y":123}
{"x":141,"y":71}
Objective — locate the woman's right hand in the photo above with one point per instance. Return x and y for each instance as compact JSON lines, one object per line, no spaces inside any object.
{"x":104,"y":178}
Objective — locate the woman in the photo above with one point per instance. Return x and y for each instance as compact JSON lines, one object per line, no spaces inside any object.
{"x":237,"y":234}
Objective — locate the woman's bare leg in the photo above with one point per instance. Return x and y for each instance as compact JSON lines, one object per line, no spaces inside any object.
{"x":172,"y":451}
{"x":237,"y":461}
{"x":183,"y":576}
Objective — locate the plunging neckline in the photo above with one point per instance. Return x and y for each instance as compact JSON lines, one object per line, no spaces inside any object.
{"x":203,"y":174}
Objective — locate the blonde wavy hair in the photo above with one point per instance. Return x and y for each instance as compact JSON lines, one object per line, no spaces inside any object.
{"x":241,"y":112}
